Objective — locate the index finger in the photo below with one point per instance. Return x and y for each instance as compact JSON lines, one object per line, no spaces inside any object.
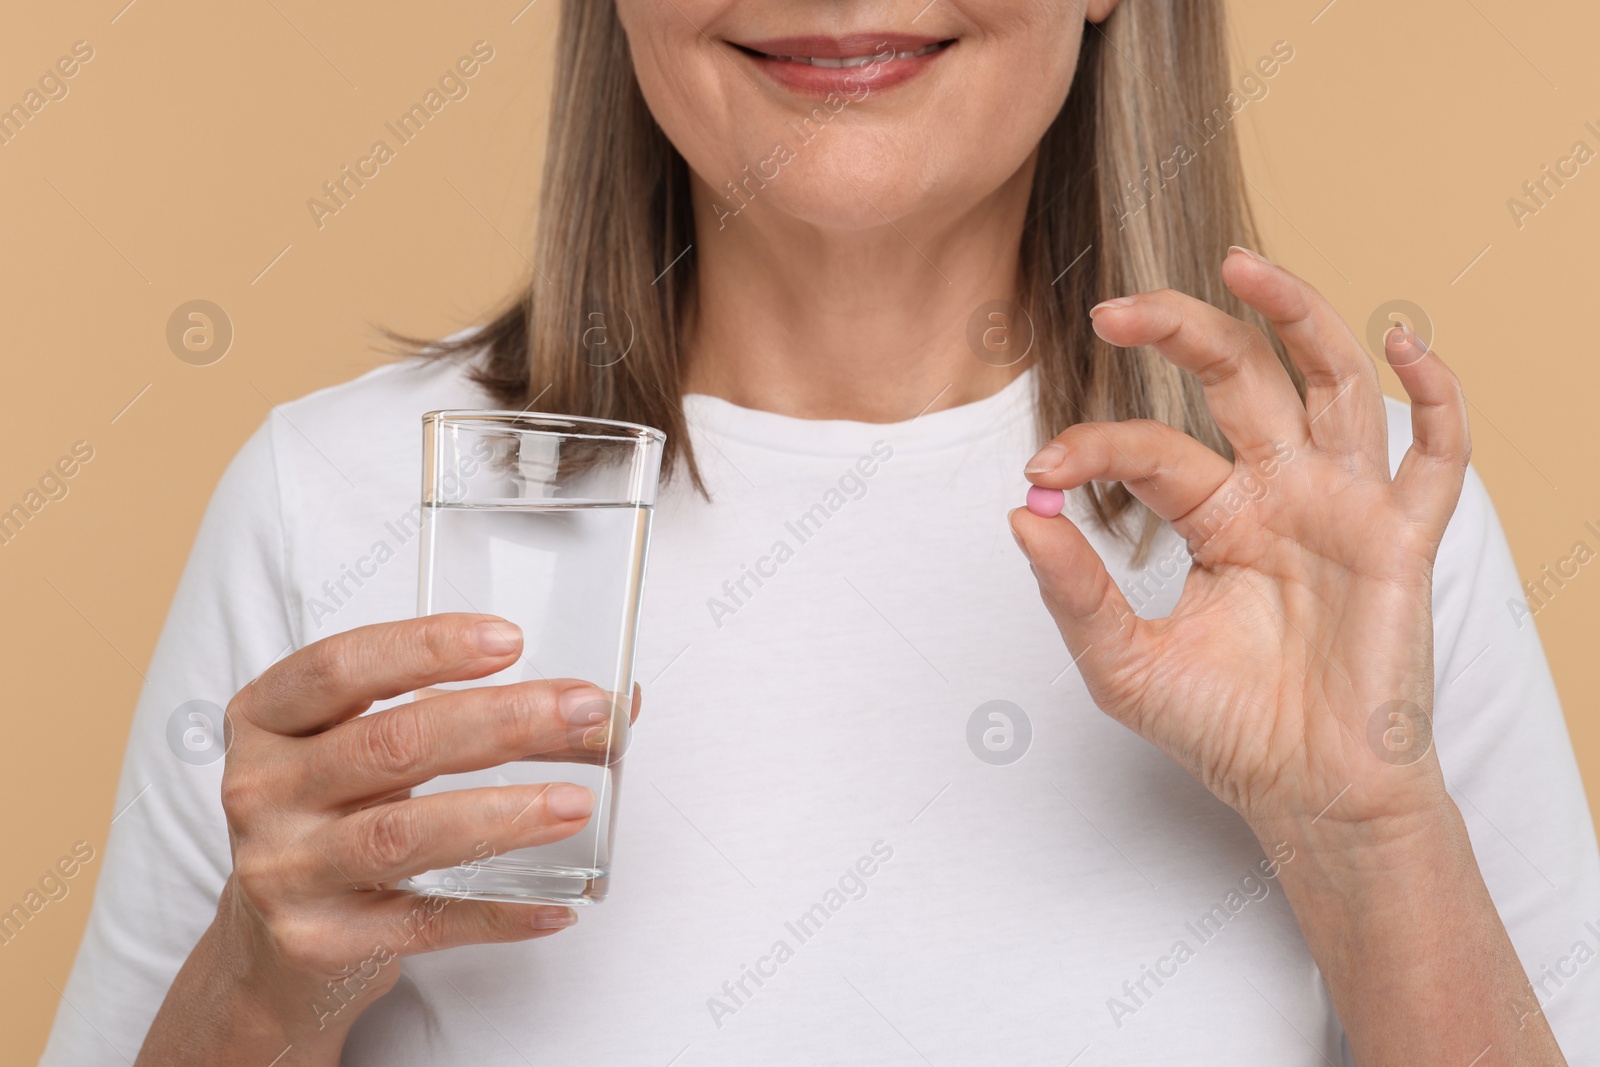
{"x":1249,"y":393}
{"x":340,"y":676}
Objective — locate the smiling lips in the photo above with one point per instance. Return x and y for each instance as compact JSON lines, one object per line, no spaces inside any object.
{"x":817,"y":66}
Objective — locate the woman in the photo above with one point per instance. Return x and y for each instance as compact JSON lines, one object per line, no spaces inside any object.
{"x":871,"y":257}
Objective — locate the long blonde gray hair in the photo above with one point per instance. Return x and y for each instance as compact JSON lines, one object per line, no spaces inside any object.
{"x":1104,"y":220}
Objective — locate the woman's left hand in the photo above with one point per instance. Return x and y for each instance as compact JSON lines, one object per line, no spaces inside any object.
{"x":1303,"y":638}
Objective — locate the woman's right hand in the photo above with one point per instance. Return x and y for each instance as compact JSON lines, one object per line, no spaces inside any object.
{"x":322,"y":826}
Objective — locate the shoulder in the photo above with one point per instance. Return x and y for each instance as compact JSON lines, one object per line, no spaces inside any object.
{"x":401,"y":388}
{"x":331,"y":459}
{"x":347,"y":433}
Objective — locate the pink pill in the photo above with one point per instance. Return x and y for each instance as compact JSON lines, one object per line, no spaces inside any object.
{"x":1045,"y":503}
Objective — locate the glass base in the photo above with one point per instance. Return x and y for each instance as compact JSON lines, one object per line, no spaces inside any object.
{"x":515,"y":883}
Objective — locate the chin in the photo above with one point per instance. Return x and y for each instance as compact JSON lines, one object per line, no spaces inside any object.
{"x":846,"y":181}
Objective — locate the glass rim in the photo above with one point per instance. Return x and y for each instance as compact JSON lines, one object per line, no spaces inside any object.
{"x":512,"y":420}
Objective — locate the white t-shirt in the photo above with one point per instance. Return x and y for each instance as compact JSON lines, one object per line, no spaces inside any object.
{"x":815,"y":866}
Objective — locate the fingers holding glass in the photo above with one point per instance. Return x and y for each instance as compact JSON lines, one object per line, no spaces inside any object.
{"x":340,"y":676}
{"x":457,"y":731}
{"x":389,"y":842}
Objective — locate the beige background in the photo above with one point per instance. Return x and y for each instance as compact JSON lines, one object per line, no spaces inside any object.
{"x":178,"y":168}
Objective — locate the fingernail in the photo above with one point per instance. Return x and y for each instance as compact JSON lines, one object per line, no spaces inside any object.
{"x":568,"y":801}
{"x":588,"y":712}
{"x":1257,"y":256}
{"x":553,"y":918}
{"x":1413,"y":340}
{"x":497,"y":638}
{"x":584,"y":705}
{"x":1409,"y":349}
{"x":1046,"y":503}
{"x":1049,"y":458}
{"x":1108,"y":305}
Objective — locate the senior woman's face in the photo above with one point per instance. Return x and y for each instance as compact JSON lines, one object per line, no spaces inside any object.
{"x":839,"y":113}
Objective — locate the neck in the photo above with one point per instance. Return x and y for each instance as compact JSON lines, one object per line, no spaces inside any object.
{"x":869,"y":325}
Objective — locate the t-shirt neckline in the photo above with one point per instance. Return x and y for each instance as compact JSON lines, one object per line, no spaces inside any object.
{"x":944,"y":428}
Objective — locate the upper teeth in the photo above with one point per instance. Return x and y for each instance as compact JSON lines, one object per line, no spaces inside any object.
{"x":857,"y":61}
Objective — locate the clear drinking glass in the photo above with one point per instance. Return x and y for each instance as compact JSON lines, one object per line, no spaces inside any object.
{"x":543,"y":520}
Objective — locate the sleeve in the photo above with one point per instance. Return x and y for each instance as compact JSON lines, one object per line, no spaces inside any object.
{"x":1509,"y":765}
{"x":167,"y":855}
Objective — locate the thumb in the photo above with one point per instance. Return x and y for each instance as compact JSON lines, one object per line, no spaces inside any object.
{"x":1093,"y":616}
